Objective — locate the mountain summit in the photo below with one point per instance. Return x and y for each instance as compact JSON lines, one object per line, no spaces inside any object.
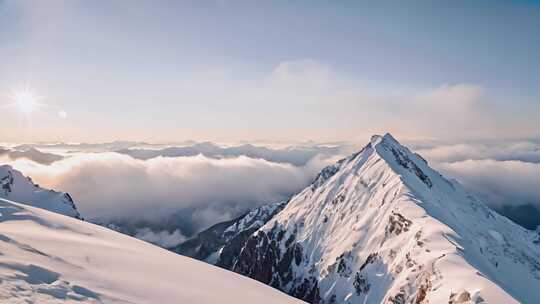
{"x":381,"y":226}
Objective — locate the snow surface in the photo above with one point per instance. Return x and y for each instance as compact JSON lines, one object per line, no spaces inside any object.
{"x":19,"y":188}
{"x":383,"y":227}
{"x":50,"y":258}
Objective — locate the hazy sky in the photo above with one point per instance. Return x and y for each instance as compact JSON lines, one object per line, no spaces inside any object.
{"x":283,"y":70}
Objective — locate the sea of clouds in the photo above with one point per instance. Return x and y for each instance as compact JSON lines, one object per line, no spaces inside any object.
{"x":197,"y":190}
{"x":176,"y":196}
{"x":505,"y":174}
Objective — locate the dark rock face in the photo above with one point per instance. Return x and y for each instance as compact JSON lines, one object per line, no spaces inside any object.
{"x":360,"y":284}
{"x":257,"y":259}
{"x":307,"y":291}
{"x":231,"y":250}
{"x":264,"y":259}
{"x":205,"y":243}
{"x":326,"y":173}
{"x":226,"y":239}
{"x":7,"y":182}
{"x":70,"y":201}
{"x":407,"y":163}
{"x":397,"y":224}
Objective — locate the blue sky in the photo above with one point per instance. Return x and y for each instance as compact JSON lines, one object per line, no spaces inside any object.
{"x":282,"y":70}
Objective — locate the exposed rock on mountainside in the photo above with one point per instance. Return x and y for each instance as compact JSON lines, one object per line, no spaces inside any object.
{"x":222,"y":242}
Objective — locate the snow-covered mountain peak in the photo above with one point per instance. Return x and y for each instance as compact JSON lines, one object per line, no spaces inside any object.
{"x":397,"y":158}
{"x":381,"y":226}
{"x":17,"y":187}
{"x":402,"y":161}
{"x":388,"y":138}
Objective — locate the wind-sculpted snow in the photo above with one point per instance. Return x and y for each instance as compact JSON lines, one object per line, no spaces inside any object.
{"x":17,"y":187}
{"x":383,"y":227}
{"x":50,"y":258}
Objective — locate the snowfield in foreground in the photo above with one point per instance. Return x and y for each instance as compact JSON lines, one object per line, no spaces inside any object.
{"x":51,"y":258}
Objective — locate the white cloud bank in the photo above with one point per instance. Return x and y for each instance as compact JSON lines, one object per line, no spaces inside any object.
{"x":108,"y":186}
{"x":525,"y":151}
{"x":201,"y":191}
{"x":505,"y":175}
{"x":501,"y":182}
{"x":162,"y":238}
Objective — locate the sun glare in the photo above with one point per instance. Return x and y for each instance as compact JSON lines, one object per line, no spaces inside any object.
{"x":25,"y":101}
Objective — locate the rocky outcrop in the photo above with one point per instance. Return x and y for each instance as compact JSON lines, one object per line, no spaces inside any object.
{"x":19,"y":188}
{"x":222,"y":242}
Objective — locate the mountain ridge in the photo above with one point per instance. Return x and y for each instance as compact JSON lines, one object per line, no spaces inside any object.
{"x":381,"y":226}
{"x":208,"y":245}
{"x":17,"y":187}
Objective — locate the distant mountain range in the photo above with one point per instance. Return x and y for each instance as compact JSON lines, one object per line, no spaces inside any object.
{"x":297,"y":156}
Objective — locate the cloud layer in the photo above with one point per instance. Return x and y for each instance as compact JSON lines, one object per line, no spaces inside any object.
{"x":111,"y":186}
{"x":504,"y":174}
{"x":192,"y":192}
{"x":501,"y":182}
{"x":162,"y":238}
{"x":525,"y":151}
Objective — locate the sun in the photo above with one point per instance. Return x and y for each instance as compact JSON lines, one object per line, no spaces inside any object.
{"x":25,"y":101}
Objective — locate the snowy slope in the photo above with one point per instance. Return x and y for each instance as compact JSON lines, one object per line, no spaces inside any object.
{"x":16,"y":187}
{"x":382,"y":227}
{"x":50,"y":258}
